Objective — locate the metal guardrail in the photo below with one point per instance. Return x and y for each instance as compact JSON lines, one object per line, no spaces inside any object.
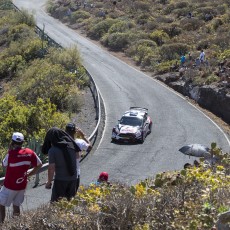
{"x":93,"y":88}
{"x":93,"y":135}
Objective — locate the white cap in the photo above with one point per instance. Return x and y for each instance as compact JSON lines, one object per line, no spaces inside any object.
{"x":18,"y":137}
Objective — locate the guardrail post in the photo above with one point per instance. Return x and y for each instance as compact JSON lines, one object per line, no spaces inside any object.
{"x":36,"y":180}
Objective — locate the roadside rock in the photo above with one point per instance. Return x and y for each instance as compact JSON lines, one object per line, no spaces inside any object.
{"x":216,"y":100}
{"x":223,"y":222}
{"x":214,"y":97}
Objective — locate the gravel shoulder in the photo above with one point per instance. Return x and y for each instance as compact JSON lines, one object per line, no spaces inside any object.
{"x":86,"y":118}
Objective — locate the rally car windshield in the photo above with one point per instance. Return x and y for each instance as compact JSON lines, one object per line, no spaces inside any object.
{"x":132,"y":121}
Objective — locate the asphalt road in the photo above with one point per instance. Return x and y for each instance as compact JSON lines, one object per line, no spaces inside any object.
{"x":175,"y":121}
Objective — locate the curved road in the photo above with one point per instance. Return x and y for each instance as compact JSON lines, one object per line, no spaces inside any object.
{"x":175,"y":121}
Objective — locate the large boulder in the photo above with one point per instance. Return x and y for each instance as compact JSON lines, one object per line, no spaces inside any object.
{"x":223,"y":221}
{"x":216,"y":100}
{"x":168,"y":77}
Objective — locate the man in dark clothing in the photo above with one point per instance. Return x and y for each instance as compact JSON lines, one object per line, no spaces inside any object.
{"x":62,"y":151}
{"x":83,"y":143}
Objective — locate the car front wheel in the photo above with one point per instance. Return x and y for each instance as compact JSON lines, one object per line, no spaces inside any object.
{"x":113,"y":140}
{"x":142,"y":138}
{"x":150,"y":128}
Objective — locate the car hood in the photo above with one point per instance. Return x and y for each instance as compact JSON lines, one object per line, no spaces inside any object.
{"x":128,"y":129}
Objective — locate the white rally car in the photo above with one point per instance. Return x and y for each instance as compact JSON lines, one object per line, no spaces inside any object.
{"x":134,"y":125}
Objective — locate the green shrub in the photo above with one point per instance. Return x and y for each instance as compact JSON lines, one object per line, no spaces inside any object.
{"x":20,"y":32}
{"x":168,"y":9}
{"x":79,"y":14}
{"x":159,"y":36}
{"x":41,"y":76}
{"x":69,"y":58}
{"x":146,"y":56}
{"x":216,"y":22}
{"x":100,"y":29}
{"x":151,"y":25}
{"x":10,"y":65}
{"x":224,"y":55}
{"x":212,"y":78}
{"x":51,"y":7}
{"x":14,"y":116}
{"x":24,"y":17}
{"x":222,"y":8}
{"x":203,"y":44}
{"x":132,"y":49}
{"x":222,"y":41}
{"x":181,"y":4}
{"x":164,"y":20}
{"x":116,"y":41}
{"x":142,"y":18}
{"x":29,"y":49}
{"x":62,"y":12}
{"x":43,"y":115}
{"x":163,"y":1}
{"x":172,"y":30}
{"x":163,"y":67}
{"x":28,"y":119}
{"x":6,"y":5}
{"x":189,"y":24}
{"x":99,"y":5}
{"x":202,"y":11}
{"x":141,"y":6}
{"x":173,"y":51}
{"x":226,"y":18}
{"x":181,"y":12}
{"x":31,"y":120}
{"x":73,"y":100}
{"x":136,"y":36}
{"x":120,"y":26}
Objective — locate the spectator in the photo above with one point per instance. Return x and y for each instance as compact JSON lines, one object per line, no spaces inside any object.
{"x":189,"y":56}
{"x":189,"y":59}
{"x":62,"y":151}
{"x":197,"y":62}
{"x":102,"y":179}
{"x":17,"y":161}
{"x":182,"y":60}
{"x":83,"y":143}
{"x":189,"y":15}
{"x":202,"y":57}
{"x":69,"y":12}
{"x":208,"y":17}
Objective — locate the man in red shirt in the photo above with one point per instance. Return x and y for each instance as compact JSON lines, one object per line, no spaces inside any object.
{"x":17,"y":162}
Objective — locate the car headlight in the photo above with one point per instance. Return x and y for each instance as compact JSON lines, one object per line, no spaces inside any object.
{"x":138,"y":133}
{"x":116,"y":130}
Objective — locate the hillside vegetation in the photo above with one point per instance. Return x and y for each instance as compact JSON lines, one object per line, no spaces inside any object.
{"x":39,"y":85}
{"x":34,"y":80}
{"x":188,"y":199}
{"x":155,"y":33}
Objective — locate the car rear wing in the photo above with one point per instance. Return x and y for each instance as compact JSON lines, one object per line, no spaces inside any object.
{"x":139,"y":108}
